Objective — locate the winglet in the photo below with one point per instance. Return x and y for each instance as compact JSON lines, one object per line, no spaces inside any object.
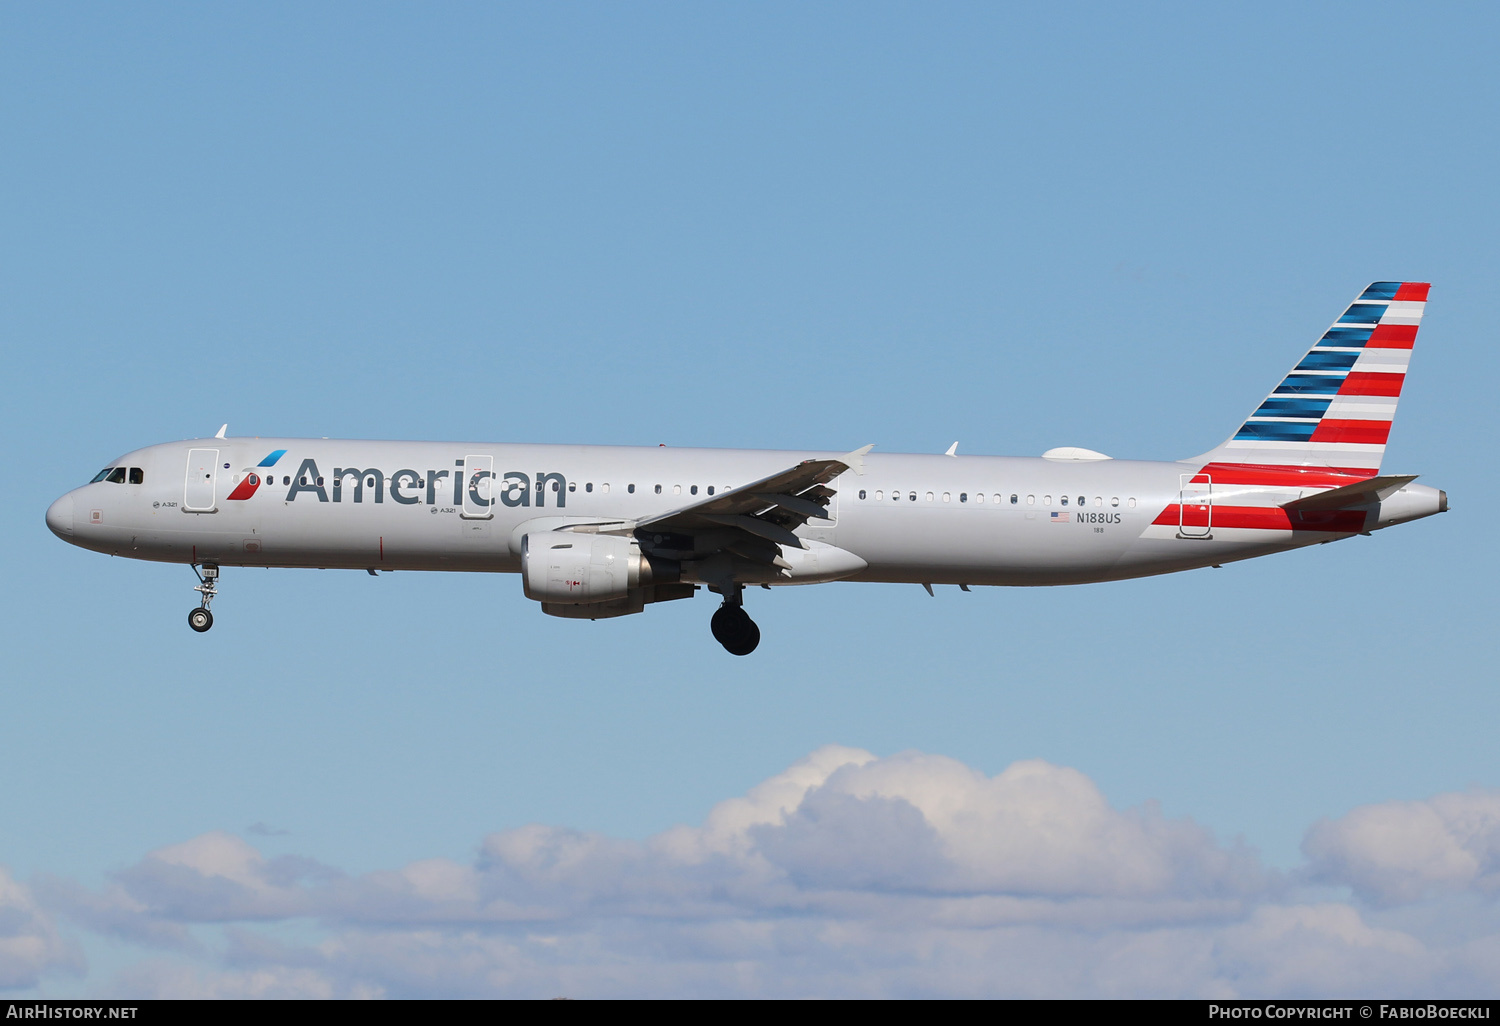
{"x":221,"y":431}
{"x":952,"y":450}
{"x":855,"y":460}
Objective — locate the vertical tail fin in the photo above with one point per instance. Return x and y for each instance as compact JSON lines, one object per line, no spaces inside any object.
{"x":1334,"y":409}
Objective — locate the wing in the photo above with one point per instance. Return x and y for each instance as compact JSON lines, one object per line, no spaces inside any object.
{"x":750,"y":522}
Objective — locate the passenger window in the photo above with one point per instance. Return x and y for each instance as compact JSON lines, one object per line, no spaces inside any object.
{"x":630,"y":488}
{"x":963,"y":496}
{"x":116,"y":476}
{"x":658,"y":489}
{"x":895,"y":496}
{"x":604,"y":488}
{"x":693,"y":490}
{"x":1114,"y":500}
{"x":1098,"y":500}
{"x":589,"y":487}
{"x":1132,"y":504}
{"x":1064,"y":500}
{"x":302,"y":481}
{"x":861,"y":493}
{"x":978,"y":496}
{"x":1013,"y":499}
{"x":1031,"y":500}
{"x":879,"y":494}
{"x":929,"y":496}
{"x":913,"y":496}
{"x":572,"y":486}
{"x":676,"y":489}
{"x":1080,"y":500}
{"x":998,"y":499}
{"x":710,"y":489}
{"x":1046,"y":500}
{"x":137,"y":475}
{"x":320,"y":482}
{"x":101,"y":475}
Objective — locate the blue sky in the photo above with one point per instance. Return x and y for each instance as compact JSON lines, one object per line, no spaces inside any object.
{"x":770,"y":225}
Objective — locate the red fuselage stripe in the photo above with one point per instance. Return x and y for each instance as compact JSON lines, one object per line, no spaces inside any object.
{"x":1268,"y":518}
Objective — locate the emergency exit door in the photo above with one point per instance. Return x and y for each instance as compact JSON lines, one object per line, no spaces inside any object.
{"x":479,"y":488}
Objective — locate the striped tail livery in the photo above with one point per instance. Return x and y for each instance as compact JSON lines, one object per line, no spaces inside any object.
{"x":1308,"y":459}
{"x":1334,"y":410}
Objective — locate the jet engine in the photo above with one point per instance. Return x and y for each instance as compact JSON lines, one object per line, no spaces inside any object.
{"x":594,"y":576}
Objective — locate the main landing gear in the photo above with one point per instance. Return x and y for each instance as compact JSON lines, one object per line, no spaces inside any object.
{"x":201,"y":619}
{"x":732,"y":626}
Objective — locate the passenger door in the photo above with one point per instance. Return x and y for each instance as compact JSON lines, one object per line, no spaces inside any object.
{"x":200,"y":488}
{"x":1195,"y":505}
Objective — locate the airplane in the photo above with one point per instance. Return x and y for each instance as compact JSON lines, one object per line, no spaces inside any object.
{"x":604,"y":531}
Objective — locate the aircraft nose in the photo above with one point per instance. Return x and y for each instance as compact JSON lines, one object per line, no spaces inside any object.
{"x":60,"y":517}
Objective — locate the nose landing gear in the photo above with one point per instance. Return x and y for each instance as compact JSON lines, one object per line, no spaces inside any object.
{"x":732,"y":626}
{"x":201,"y":619}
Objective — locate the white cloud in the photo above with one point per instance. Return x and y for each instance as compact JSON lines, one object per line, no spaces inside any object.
{"x":931,"y":823}
{"x":846,"y":875}
{"x":1405,"y":851}
{"x":29,"y":943}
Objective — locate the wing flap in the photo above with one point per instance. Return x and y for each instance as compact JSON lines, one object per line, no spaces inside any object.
{"x":808,"y":508}
{"x":754,"y":525}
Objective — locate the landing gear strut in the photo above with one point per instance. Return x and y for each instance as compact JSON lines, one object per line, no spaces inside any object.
{"x":201,"y":619}
{"x":732,"y":626}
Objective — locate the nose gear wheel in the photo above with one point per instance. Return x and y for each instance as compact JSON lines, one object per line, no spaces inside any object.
{"x":201,"y":619}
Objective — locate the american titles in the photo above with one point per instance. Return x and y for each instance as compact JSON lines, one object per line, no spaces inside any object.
{"x":409,"y":487}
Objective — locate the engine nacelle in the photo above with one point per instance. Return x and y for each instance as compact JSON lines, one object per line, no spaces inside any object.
{"x":594,"y":576}
{"x":579,"y":569}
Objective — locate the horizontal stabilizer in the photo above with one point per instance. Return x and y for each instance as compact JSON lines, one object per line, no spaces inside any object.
{"x":1364,"y":493}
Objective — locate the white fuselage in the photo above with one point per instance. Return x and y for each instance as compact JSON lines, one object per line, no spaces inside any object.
{"x":908,"y":518}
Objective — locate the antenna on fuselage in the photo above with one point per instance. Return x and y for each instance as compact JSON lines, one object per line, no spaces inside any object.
{"x":221,"y":431}
{"x":952,"y":450}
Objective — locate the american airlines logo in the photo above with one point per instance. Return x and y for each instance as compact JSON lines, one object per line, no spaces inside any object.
{"x":412,"y":487}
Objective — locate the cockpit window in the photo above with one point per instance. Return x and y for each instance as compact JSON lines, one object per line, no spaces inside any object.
{"x":116,"y":476}
{"x":137,"y":475}
{"x":101,"y":475}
